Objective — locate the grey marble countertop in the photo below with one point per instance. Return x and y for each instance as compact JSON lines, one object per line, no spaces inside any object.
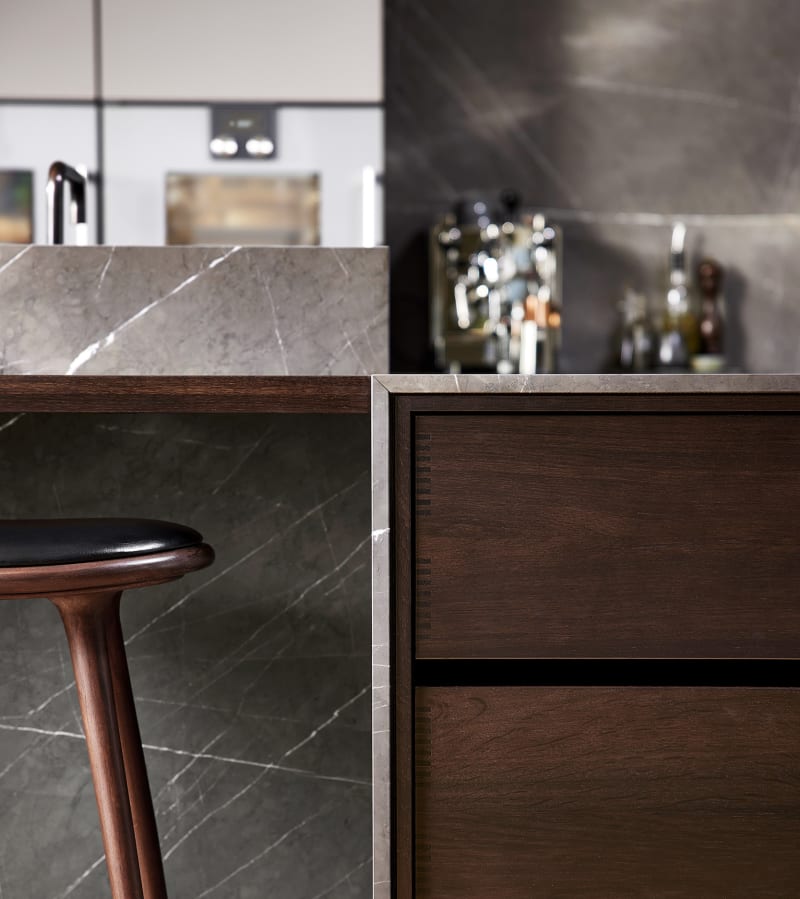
{"x":104,"y":310}
{"x":621,"y":384}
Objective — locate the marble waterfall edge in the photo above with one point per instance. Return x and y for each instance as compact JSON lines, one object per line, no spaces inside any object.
{"x":252,"y":680}
{"x":193,"y":310}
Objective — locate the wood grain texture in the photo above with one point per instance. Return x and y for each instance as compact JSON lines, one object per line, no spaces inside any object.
{"x":616,"y":792}
{"x":402,"y":636}
{"x":87,"y":596}
{"x":653,"y":402}
{"x":148,"y":848}
{"x":609,"y":535}
{"x":86,"y":620}
{"x":121,"y":573}
{"x":35,"y":393}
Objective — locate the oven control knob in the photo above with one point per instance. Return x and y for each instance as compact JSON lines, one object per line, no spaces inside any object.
{"x":260,"y":146}
{"x":224,"y":146}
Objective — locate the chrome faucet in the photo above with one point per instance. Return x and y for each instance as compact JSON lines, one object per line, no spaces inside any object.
{"x":59,"y":173}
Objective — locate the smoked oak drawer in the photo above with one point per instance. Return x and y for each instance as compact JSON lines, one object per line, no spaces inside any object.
{"x":602,"y":792}
{"x":607,"y":535}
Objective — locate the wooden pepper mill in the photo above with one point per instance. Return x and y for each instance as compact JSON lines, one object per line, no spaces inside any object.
{"x":711,"y":356}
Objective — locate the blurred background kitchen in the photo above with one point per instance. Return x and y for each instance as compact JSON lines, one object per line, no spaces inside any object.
{"x":573,"y":186}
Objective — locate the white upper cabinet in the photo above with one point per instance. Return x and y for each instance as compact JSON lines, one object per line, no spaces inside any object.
{"x":264,"y":50}
{"x":46,"y":50}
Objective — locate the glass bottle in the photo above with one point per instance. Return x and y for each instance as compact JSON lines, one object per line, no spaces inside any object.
{"x":634,"y":348}
{"x":678,"y":337}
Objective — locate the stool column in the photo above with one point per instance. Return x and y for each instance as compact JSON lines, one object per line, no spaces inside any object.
{"x":151,"y":866}
{"x":86,"y":620}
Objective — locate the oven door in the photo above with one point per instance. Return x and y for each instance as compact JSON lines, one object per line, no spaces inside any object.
{"x":163,"y":186}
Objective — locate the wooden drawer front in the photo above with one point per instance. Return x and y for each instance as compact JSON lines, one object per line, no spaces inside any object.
{"x":588,"y":535}
{"x":607,"y":792}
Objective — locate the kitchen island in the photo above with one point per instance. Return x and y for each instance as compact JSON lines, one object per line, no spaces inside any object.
{"x":582,"y":606}
{"x":252,"y":679}
{"x":585,"y":634}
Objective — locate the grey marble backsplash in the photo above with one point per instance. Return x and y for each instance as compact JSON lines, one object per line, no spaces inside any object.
{"x":193,"y":310}
{"x":619,"y":117}
{"x":252,"y":678}
{"x":607,"y":254}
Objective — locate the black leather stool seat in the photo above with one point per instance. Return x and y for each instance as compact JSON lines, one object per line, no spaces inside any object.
{"x":83,"y":566}
{"x":63,"y":541}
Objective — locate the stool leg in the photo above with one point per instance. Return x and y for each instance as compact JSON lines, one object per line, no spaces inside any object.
{"x":85,"y":621}
{"x":144,"y":820}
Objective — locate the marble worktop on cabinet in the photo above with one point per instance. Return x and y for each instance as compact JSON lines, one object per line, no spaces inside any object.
{"x":193,"y":310}
{"x":588,"y":384}
{"x":384,"y":388}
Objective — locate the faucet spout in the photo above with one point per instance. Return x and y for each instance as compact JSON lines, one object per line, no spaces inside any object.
{"x":59,"y":174}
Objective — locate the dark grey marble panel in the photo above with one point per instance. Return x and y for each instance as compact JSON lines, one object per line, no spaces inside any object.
{"x":666,"y":107}
{"x":252,"y":678}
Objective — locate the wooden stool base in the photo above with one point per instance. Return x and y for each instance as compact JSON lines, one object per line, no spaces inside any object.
{"x":87,"y":596}
{"x":88,"y":623}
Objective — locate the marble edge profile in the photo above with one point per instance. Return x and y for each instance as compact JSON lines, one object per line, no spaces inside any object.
{"x":381,"y":697}
{"x":382,"y":387}
{"x":610,"y":384}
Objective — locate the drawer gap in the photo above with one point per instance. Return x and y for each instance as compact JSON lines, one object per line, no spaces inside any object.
{"x":608,"y":672}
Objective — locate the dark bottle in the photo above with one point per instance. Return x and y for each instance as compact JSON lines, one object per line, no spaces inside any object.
{"x":711,"y":355}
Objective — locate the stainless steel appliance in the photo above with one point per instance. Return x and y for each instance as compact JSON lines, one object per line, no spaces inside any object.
{"x":305,"y":173}
{"x":495,"y":279}
{"x":167,"y":179}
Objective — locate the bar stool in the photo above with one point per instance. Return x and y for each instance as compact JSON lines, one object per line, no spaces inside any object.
{"x":82,"y":566}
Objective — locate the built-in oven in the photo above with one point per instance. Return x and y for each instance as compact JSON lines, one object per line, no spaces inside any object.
{"x":199,"y":174}
{"x":243,"y":174}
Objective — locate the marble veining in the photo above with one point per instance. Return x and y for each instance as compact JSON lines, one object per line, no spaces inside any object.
{"x":193,"y":310}
{"x":252,"y":678}
{"x":619,"y":118}
{"x":608,"y":384}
